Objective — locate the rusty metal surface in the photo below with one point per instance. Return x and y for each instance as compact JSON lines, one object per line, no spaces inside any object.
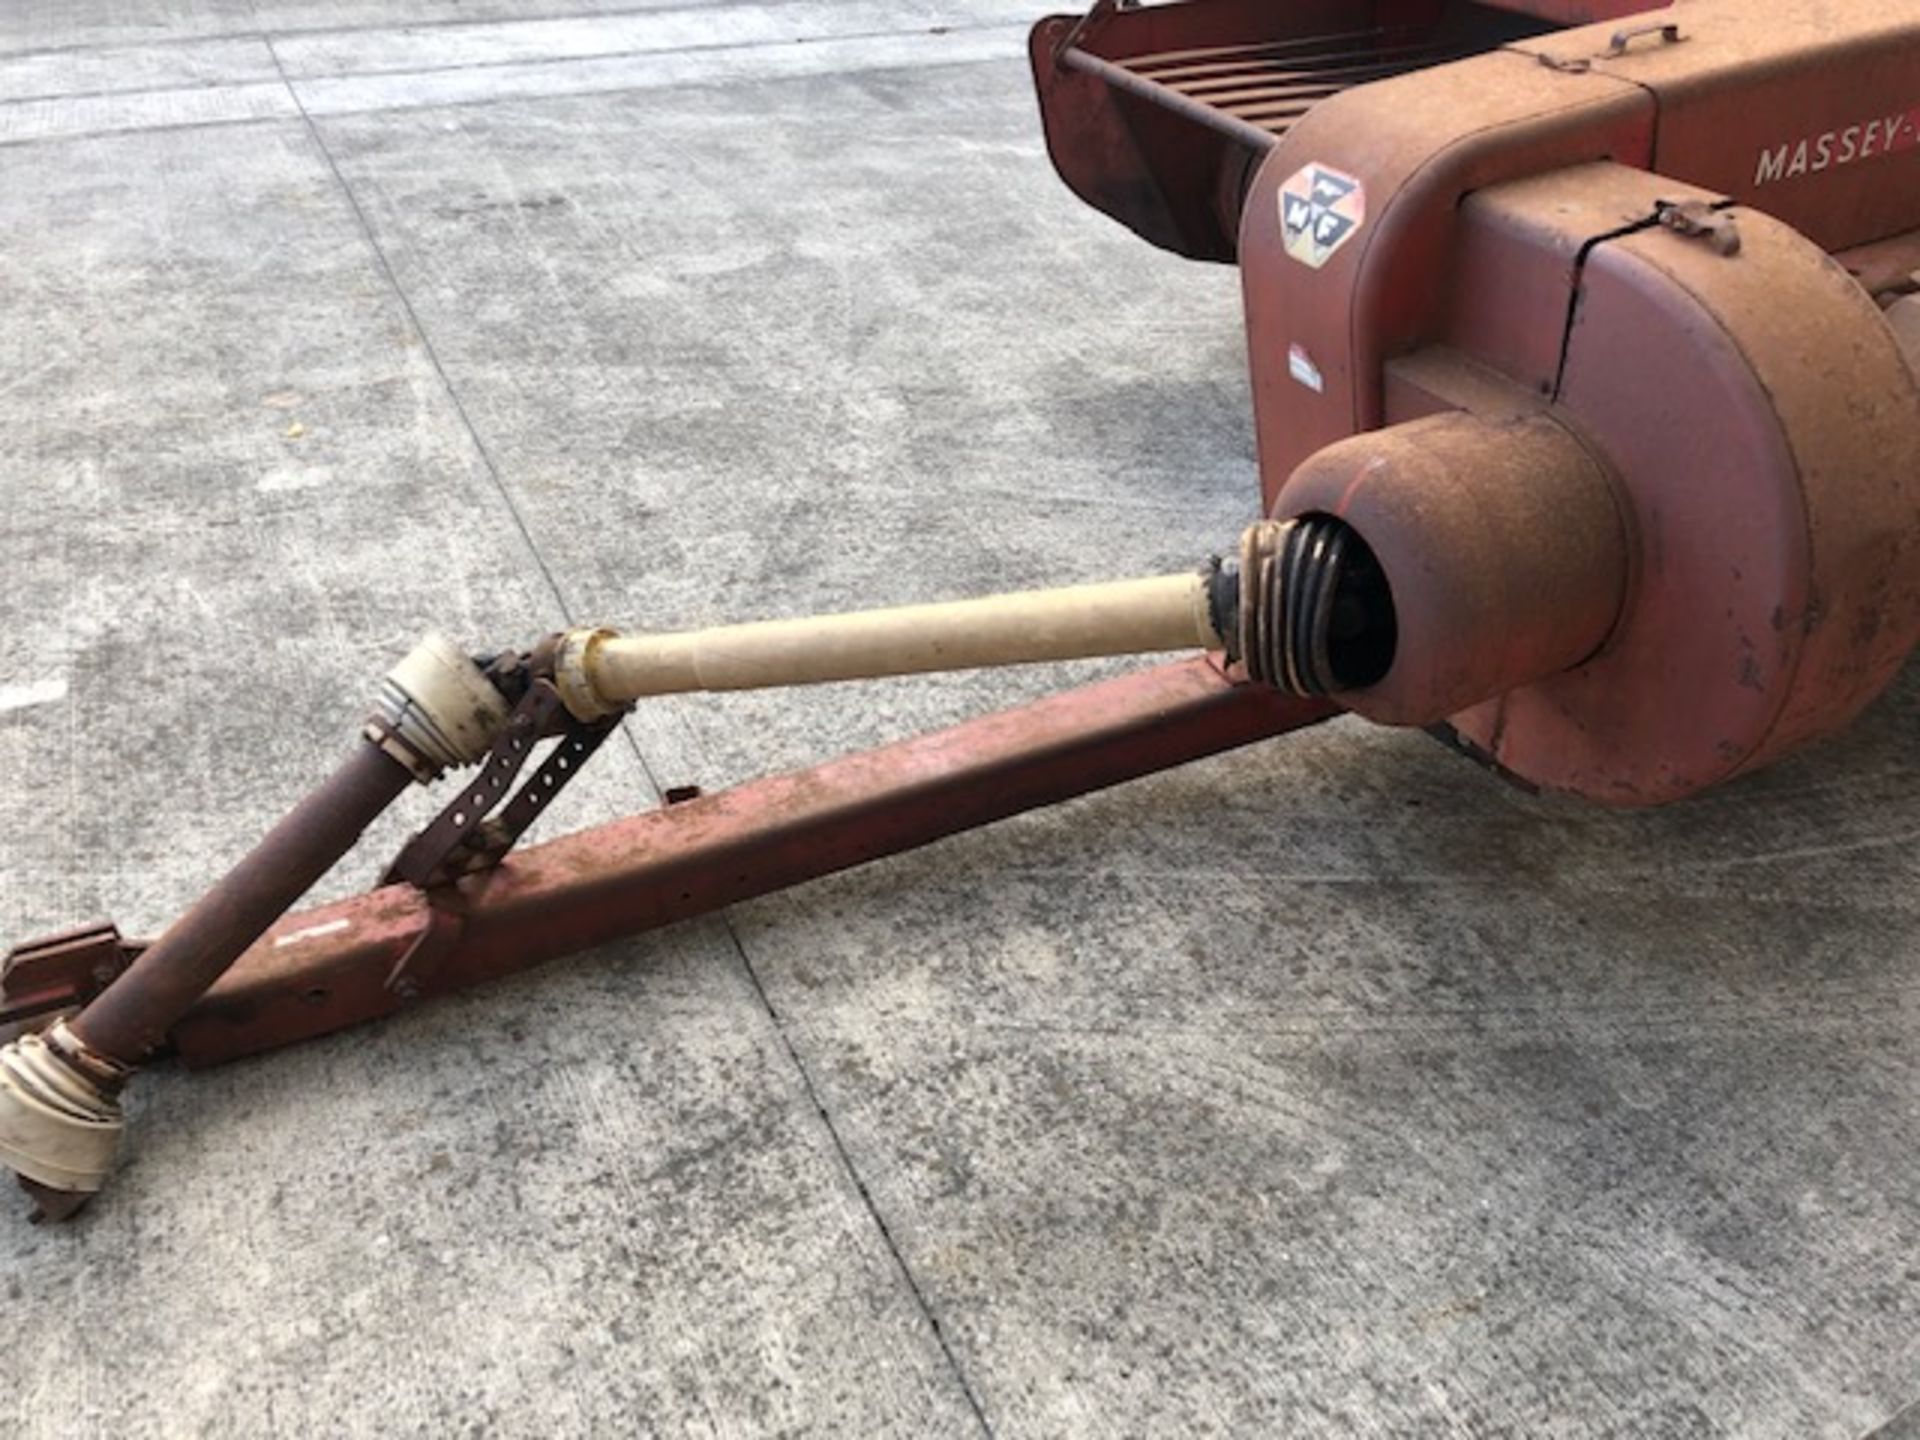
{"x":1580,"y":12}
{"x":467,"y":835}
{"x":60,"y":972}
{"x":1157,"y":115}
{"x":1171,"y":175}
{"x":1417,"y":144}
{"x":1887,"y":268}
{"x":130,"y":1018}
{"x":1502,"y":543}
{"x":1765,"y":428}
{"x":338,"y":965}
{"x":1516,"y":256}
{"x":50,"y":1206}
{"x":1255,"y":92}
{"x":1772,"y":583}
{"x":1257,"y":139}
{"x":1807,"y":109}
{"x":1903,"y":317}
{"x":1603,"y":1123}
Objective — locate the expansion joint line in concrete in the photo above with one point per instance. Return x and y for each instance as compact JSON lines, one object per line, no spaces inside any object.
{"x":559,"y":596}
{"x":911,"y":1281}
{"x":426,"y":340}
{"x":717,"y":47}
{"x":1905,"y":1425}
{"x":318,"y":32}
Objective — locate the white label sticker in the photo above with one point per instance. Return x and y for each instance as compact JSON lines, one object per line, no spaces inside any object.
{"x":1300,"y":365}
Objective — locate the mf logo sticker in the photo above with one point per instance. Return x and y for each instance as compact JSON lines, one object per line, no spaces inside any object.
{"x":1320,"y":210}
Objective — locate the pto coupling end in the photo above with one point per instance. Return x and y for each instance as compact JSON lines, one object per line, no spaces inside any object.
{"x":1304,"y":607}
{"x":60,"y":1118}
{"x":437,"y":710}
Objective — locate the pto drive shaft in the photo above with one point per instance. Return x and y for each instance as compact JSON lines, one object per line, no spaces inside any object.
{"x":1314,"y":572}
{"x":598,"y":671}
{"x":1302,"y":607}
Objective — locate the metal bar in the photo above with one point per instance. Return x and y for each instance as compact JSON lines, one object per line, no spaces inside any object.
{"x":1304,"y":92}
{"x":342,"y":964}
{"x":1331,"y":80}
{"x":1302,"y":45}
{"x":1120,"y":78}
{"x":1197,"y":79}
{"x":131,"y":1017}
{"x":1295,"y":100}
{"x":1273,"y":115}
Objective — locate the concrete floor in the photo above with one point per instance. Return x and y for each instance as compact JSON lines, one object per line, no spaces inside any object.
{"x":1330,"y":1088}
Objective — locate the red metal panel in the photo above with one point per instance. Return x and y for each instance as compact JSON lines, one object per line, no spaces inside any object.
{"x":1417,"y":144}
{"x":1761,"y":421}
{"x":1807,"y":109}
{"x":1517,"y":255}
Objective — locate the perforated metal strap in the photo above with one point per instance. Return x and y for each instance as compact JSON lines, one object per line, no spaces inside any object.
{"x":462,"y":839}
